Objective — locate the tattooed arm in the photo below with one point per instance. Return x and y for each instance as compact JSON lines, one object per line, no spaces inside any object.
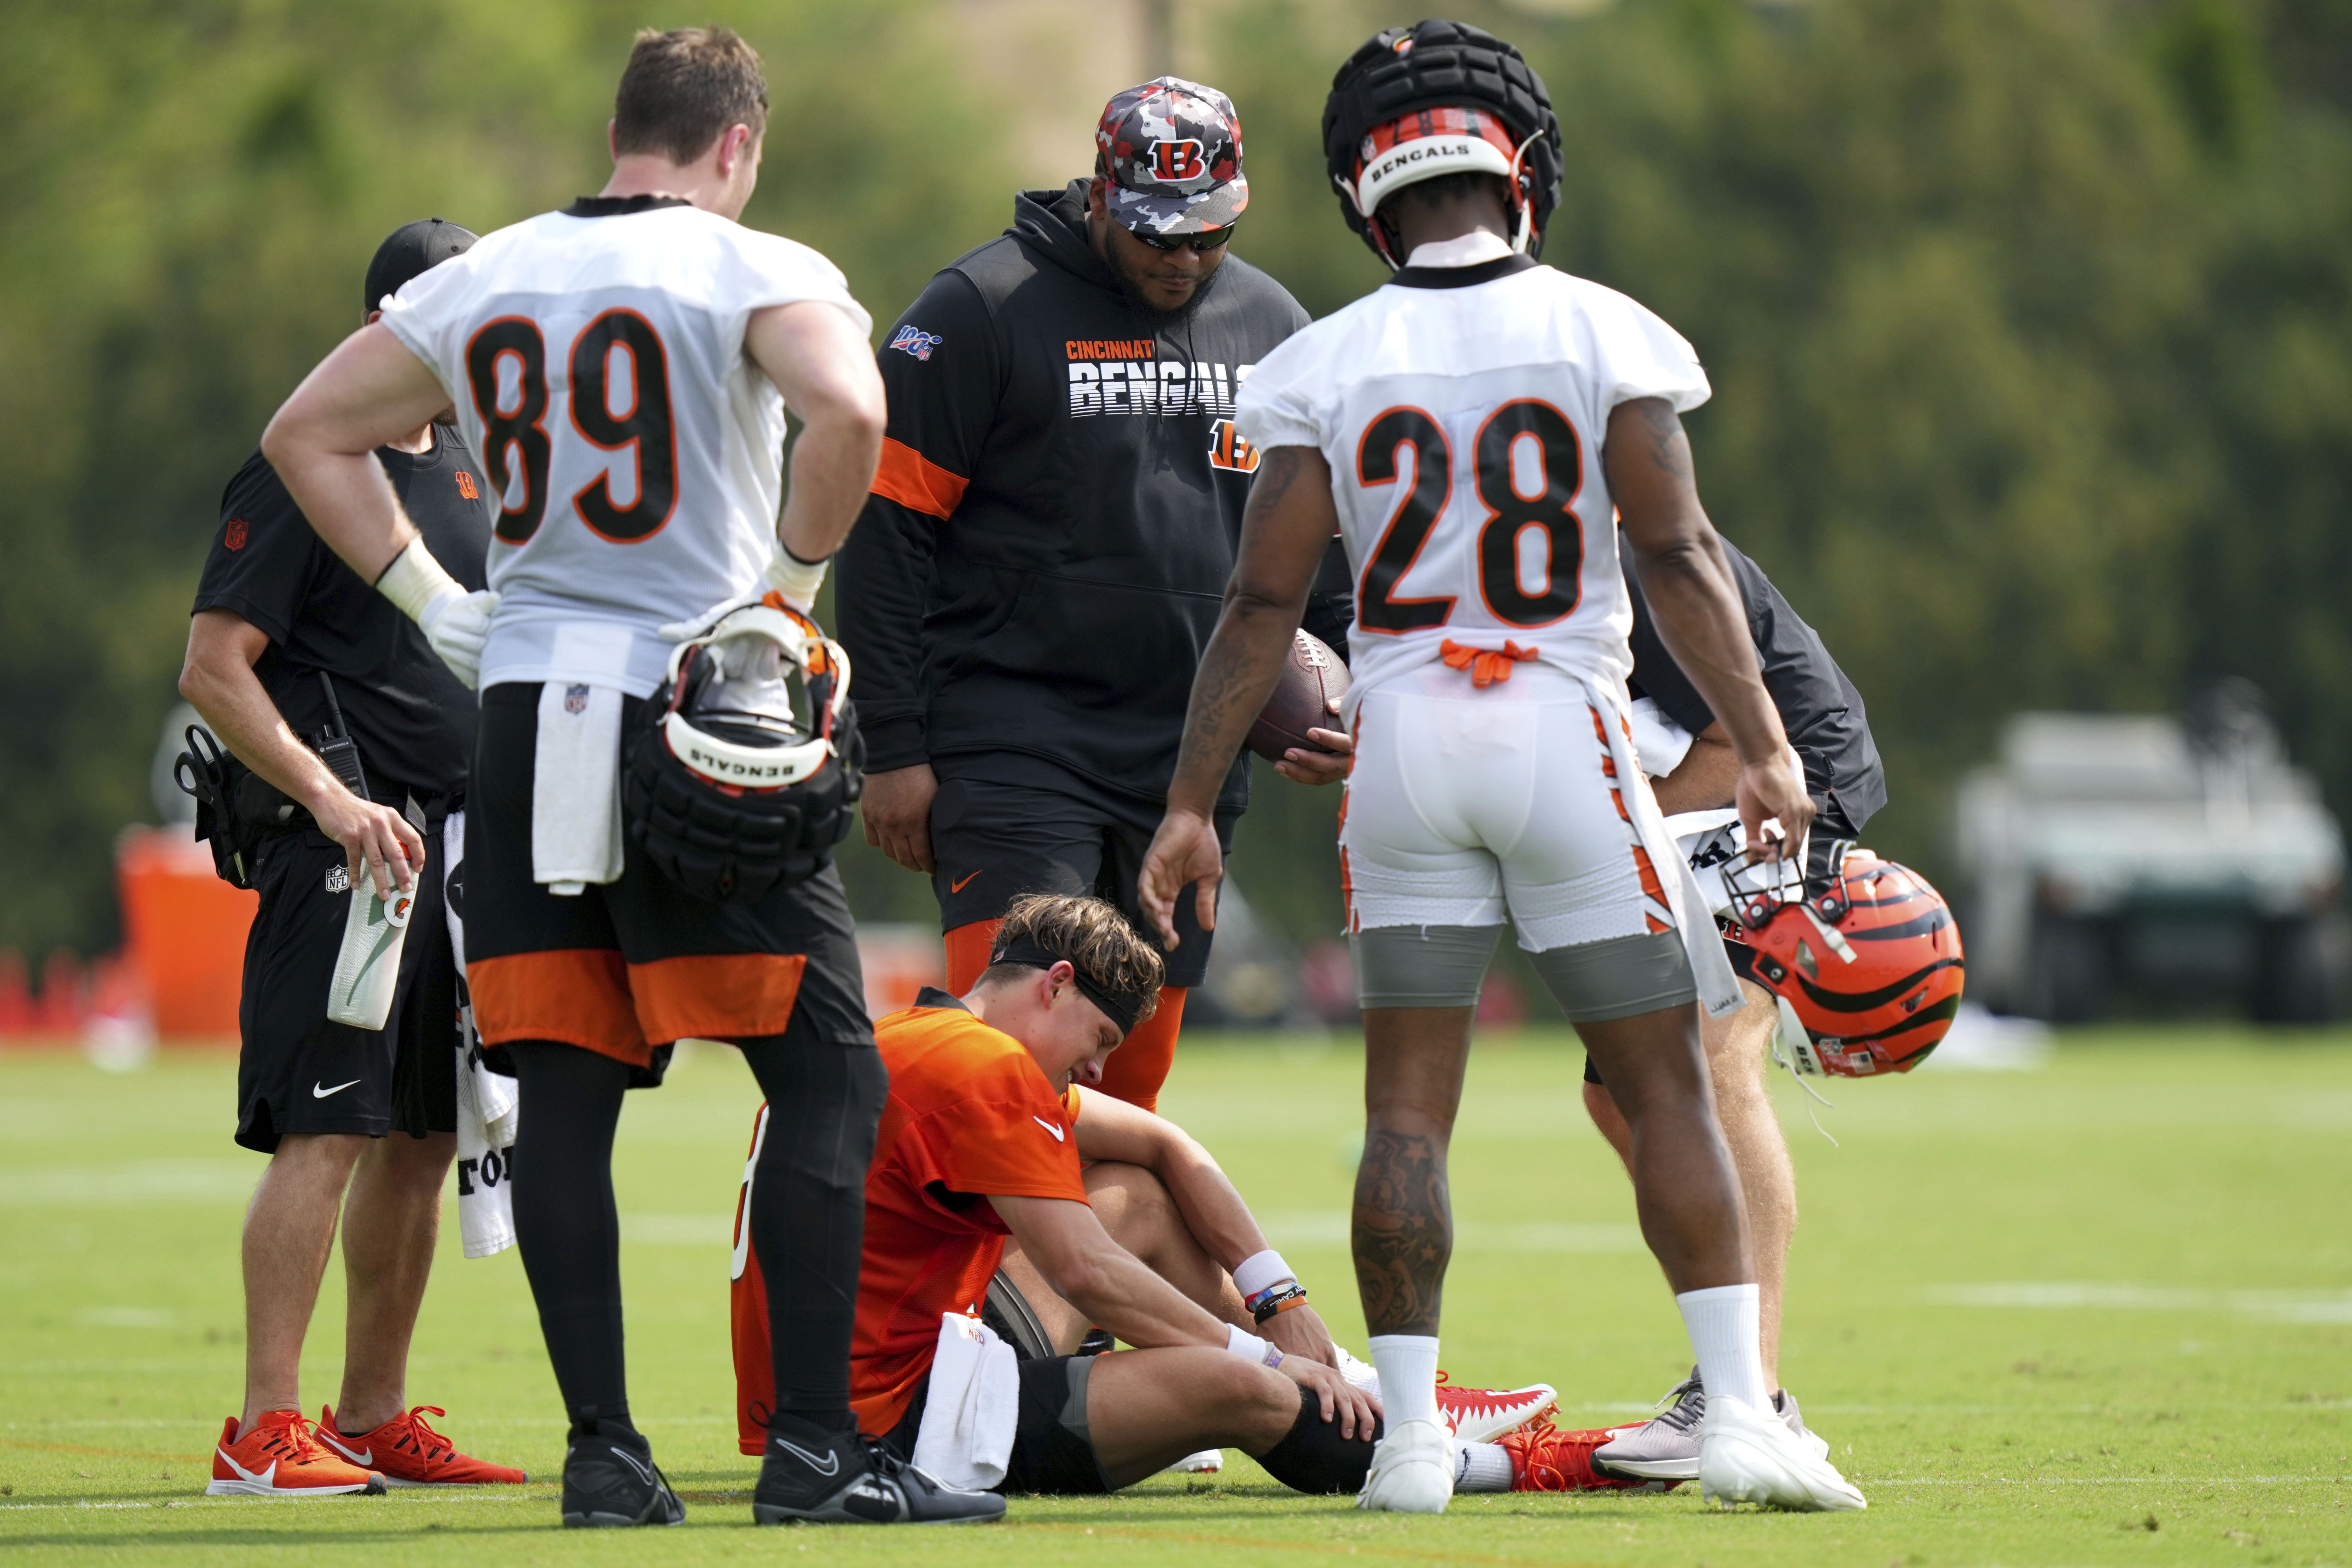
{"x":1284,"y":531}
{"x":1695,"y":604}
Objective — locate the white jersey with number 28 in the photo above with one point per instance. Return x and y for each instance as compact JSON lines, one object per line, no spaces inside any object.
{"x":595,"y":357}
{"x":1462,"y":421}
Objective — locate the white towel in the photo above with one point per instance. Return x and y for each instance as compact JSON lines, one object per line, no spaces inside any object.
{"x":1662,"y":743}
{"x":488,"y":1106}
{"x":485,"y":1163}
{"x":575,"y":792}
{"x":1719,"y":987}
{"x":966,"y":1437}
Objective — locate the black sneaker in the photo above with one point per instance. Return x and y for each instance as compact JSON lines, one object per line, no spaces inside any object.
{"x":609,"y":1479}
{"x":855,"y":1480}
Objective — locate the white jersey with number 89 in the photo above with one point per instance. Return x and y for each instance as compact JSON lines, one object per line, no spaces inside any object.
{"x":595,"y":357}
{"x":1462,"y":411}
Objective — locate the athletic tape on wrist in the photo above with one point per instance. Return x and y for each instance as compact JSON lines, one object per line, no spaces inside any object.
{"x":415,"y":582}
{"x":1250,"y":1348}
{"x":796,"y":578}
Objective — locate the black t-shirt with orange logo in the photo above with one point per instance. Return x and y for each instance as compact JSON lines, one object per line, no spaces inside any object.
{"x":970,"y":1115}
{"x":413,"y":719}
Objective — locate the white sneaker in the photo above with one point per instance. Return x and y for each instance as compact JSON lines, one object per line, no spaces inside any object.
{"x":1207,"y":1462}
{"x":1750,"y":1455}
{"x":1412,"y":1471}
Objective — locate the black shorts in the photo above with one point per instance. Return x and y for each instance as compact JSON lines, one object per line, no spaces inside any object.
{"x":994,"y":839}
{"x":628,"y":968}
{"x":1743,"y":964}
{"x":299,"y":1073}
{"x":1053,"y":1450}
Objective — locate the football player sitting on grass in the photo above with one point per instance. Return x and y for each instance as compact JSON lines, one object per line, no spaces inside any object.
{"x":1003,"y":1189}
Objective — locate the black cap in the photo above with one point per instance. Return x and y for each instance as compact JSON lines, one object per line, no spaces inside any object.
{"x":412,"y":248}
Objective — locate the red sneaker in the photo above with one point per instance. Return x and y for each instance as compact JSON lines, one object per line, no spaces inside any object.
{"x":280,"y":1458}
{"x":1545,"y":1459}
{"x":409,"y":1452}
{"x":1484,"y":1415}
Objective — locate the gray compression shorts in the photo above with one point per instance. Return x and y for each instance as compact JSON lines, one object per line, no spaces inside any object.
{"x":1593,"y":982}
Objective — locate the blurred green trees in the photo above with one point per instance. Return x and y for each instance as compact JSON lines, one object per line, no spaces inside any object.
{"x":2031,"y":325}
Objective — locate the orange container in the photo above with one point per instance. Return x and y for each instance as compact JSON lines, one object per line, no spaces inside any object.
{"x":183,"y":932}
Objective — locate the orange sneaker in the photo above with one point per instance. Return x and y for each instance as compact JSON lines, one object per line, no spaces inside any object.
{"x":1545,"y":1459}
{"x":279,"y":1457}
{"x":1484,"y":1415}
{"x":409,"y":1452}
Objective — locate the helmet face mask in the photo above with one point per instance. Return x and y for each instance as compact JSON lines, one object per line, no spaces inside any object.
{"x":748,"y":768}
{"x":1867,"y":958}
{"x":752,"y":704}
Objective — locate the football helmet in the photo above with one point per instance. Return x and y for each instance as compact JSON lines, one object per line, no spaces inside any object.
{"x":1866,"y":956}
{"x":744,"y":777}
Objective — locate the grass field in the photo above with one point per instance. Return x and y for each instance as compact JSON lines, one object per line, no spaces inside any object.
{"x":2097,"y":1313}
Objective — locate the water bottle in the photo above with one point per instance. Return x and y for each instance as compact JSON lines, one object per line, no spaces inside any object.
{"x":367,"y":970}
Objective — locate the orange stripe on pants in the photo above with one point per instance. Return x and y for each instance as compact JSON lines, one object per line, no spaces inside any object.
{"x":577,"y":996}
{"x":716,"y":996}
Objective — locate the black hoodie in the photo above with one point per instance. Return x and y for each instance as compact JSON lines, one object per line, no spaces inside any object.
{"x":1050,"y":533}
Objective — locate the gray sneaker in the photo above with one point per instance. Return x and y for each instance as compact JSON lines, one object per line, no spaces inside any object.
{"x":1665,"y":1447}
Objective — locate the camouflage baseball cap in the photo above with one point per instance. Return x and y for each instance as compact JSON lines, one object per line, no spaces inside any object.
{"x":1172,"y":150}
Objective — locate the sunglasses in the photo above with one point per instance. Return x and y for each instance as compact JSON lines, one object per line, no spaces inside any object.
{"x":1202,"y":244}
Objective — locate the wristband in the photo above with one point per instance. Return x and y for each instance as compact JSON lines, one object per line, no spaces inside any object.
{"x":1261,"y":1272}
{"x":1250,"y":1348}
{"x":416,"y":584}
{"x":1276,"y":1302}
{"x":796,"y":578}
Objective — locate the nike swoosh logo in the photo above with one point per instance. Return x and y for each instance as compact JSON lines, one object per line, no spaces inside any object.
{"x":318,"y":1093}
{"x":264,"y":1477}
{"x":631,"y":1460}
{"x":362,"y":1456}
{"x":1048,"y":1127}
{"x":832,"y":1466}
{"x":958,"y":887}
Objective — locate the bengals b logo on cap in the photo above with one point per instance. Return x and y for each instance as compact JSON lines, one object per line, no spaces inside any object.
{"x":1174,"y":160}
{"x":1169,"y":154}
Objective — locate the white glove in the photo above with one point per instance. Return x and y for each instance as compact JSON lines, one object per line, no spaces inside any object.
{"x":455,"y":622}
{"x":795,"y":580}
{"x":457,"y":626}
{"x":697,"y":626}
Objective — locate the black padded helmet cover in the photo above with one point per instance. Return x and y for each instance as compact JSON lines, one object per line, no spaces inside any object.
{"x":1433,"y":64}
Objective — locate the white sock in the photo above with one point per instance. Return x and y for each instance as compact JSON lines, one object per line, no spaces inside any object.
{"x":1485,"y":1467}
{"x":1408,"y":1369}
{"x":1723,"y":1324}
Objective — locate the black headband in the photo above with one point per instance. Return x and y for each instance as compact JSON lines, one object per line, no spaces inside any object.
{"x":1120,"y":1010}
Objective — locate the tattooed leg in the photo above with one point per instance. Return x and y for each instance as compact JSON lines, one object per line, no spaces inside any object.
{"x":1404,"y":1229}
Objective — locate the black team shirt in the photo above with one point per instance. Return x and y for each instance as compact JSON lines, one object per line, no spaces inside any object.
{"x":413,"y":719}
{"x":1819,"y":706}
{"x":1029,"y":589}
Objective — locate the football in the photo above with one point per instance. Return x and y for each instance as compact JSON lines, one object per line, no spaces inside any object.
{"x":1312,"y":677}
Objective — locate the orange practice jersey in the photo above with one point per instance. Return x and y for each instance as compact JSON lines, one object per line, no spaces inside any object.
{"x":969,"y":1115}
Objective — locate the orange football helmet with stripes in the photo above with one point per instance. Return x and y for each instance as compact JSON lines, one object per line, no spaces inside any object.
{"x":1868,"y":958}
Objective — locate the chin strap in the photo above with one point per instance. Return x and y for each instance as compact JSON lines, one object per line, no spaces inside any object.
{"x":1524,"y":230}
{"x":1378,"y":235}
{"x":1787,"y":1020}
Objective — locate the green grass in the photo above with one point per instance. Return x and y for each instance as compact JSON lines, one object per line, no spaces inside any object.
{"x":2194,"y":1410}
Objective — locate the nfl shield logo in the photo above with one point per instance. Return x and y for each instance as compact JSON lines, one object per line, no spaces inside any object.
{"x":575,"y":699}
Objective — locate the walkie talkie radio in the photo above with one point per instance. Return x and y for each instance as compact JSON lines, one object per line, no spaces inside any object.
{"x":337,"y":749}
